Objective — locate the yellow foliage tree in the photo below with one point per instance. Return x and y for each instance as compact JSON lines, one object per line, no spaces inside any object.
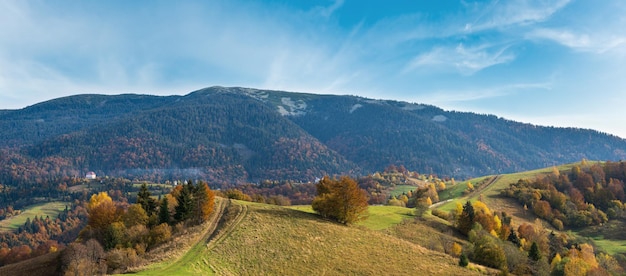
{"x":576,"y":266}
{"x":102,"y":211}
{"x":428,"y":201}
{"x":458,"y":209}
{"x":480,"y":207}
{"x":555,"y":261}
{"x":456,"y":249}
{"x":497,"y":223}
{"x":404,"y":199}
{"x":441,"y":186}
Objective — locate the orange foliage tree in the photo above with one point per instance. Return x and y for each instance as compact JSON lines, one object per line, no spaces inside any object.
{"x":341,"y":200}
{"x":205,"y":201}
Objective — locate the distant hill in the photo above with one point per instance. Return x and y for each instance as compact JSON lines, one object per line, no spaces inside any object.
{"x":241,"y":134}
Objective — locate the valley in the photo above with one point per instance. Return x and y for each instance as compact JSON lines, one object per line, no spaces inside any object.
{"x":223,"y":179}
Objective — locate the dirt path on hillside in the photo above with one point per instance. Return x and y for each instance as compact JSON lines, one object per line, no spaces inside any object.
{"x":226,"y":218}
{"x":189,"y":249}
{"x":225,"y":230}
{"x":484,"y":186}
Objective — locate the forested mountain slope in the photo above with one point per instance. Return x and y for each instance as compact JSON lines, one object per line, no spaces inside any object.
{"x":241,"y":134}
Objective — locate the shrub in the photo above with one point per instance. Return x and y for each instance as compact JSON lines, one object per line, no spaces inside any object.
{"x":463,"y":260}
{"x":441,"y":214}
{"x":160,"y":234}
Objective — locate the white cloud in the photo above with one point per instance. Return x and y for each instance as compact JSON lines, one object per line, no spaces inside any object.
{"x":596,"y":43}
{"x":329,"y":10}
{"x":502,"y":14}
{"x":450,"y":97}
{"x":466,"y":61}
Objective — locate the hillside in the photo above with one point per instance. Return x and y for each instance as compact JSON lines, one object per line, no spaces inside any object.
{"x":227,"y":135}
{"x":607,"y":236}
{"x":270,"y":240}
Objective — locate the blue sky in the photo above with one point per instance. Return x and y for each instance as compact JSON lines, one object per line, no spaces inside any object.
{"x":558,"y":62}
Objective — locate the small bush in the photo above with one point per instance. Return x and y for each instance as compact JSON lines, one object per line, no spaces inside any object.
{"x":463,"y":260}
{"x":441,"y":214}
{"x":118,"y":260}
{"x":160,"y":234}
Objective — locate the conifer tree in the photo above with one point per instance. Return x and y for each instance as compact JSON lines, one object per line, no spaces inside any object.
{"x":534,"y":253}
{"x":184,"y":209}
{"x":145,"y":200}
{"x":514,"y":239}
{"x":164,"y":212}
{"x":463,"y":260}
{"x":466,"y":219}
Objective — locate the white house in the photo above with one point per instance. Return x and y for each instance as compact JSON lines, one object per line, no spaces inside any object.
{"x":91,"y":175}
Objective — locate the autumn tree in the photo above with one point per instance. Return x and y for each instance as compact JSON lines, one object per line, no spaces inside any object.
{"x":341,"y":200}
{"x":135,"y":215}
{"x":204,"y":202}
{"x":102,"y":213}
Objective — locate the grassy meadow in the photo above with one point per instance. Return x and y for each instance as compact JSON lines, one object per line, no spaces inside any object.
{"x":51,"y":209}
{"x":378,"y":218}
{"x":401,"y":189}
{"x":272,"y":240}
{"x":491,"y":193}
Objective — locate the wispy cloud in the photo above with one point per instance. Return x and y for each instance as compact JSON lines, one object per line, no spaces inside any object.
{"x":466,"y":61}
{"x":595,"y":43}
{"x":503,"y":14}
{"x":447,"y":97}
{"x":327,"y":11}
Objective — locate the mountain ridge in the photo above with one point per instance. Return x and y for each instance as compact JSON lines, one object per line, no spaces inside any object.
{"x":244,"y":134}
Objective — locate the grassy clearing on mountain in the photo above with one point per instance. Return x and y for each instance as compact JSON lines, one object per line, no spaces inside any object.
{"x":402,"y":189}
{"x":608,"y":237}
{"x":51,"y":209}
{"x":279,"y":241}
{"x":490,"y":194}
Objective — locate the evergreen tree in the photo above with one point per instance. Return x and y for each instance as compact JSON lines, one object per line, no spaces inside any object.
{"x":164,"y":212}
{"x":514,"y":238}
{"x":466,"y":219}
{"x":184,"y":209}
{"x":145,"y":200}
{"x":463,"y":260}
{"x":534,"y":253}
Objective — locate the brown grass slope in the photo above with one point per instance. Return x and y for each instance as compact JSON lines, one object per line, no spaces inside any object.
{"x":278,"y":241}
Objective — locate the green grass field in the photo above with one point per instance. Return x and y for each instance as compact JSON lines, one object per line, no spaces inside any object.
{"x":138,"y":185}
{"x":456,"y":191}
{"x":401,"y":189}
{"x":51,"y":209}
{"x":608,"y":237}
